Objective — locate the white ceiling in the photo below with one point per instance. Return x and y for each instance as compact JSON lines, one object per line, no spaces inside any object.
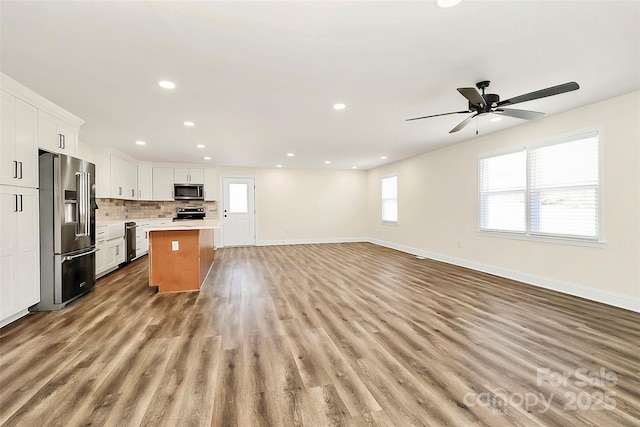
{"x":259,"y":78}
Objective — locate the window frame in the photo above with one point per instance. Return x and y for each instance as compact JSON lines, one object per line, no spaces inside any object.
{"x":382,"y":199}
{"x":528,"y":234}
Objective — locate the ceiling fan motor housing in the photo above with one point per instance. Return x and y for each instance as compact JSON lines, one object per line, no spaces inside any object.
{"x":491,"y":99}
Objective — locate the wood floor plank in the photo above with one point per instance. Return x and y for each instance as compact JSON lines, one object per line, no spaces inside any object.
{"x":322,"y":335}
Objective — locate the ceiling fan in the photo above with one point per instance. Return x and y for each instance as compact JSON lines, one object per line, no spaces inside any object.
{"x":489,"y":103}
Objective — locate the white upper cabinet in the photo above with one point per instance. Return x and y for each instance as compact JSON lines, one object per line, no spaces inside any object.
{"x":18,"y":148}
{"x":210,"y":185}
{"x":188,"y":176}
{"x":162,"y":183}
{"x":124,"y":179}
{"x":55,"y":135}
{"x":145,"y":182}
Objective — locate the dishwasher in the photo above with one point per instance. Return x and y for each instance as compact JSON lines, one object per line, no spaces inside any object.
{"x":130,"y":240}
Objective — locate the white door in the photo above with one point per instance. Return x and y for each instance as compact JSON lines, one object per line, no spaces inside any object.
{"x":238,"y":211}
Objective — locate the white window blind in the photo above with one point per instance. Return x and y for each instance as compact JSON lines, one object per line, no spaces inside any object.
{"x":551,"y":190}
{"x":503,"y":185}
{"x":390,"y":199}
{"x":564,"y":188}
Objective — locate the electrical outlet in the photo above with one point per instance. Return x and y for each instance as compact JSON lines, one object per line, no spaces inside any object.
{"x":175,"y":245}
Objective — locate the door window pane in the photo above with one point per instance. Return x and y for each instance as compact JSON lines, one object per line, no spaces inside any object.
{"x":238,"y":198}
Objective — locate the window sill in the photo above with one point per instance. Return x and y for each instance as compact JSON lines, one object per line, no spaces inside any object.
{"x":544,"y":239}
{"x":394,"y":223}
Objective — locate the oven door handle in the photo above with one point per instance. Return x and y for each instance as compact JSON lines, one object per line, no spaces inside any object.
{"x":69,"y":258}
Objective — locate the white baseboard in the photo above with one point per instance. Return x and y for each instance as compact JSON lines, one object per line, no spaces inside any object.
{"x":605,"y":297}
{"x":311,"y":241}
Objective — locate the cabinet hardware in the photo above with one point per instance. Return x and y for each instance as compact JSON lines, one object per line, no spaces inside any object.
{"x":64,"y":142}
{"x":133,"y":193}
{"x":119,"y":191}
{"x":15,"y":200}
{"x":15,"y":169}
{"x":21,"y":206}
{"x":59,"y":140}
{"x":20,"y":174}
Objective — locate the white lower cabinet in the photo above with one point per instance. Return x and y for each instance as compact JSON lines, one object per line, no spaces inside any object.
{"x":101,"y":256}
{"x":142,"y":238}
{"x":111,"y":247}
{"x":19,"y":252}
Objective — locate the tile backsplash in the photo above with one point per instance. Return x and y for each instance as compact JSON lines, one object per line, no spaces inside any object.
{"x":113,"y":209}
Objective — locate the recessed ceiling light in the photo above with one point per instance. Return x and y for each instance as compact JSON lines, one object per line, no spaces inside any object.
{"x":354,"y":167}
{"x":327,"y":162}
{"x":140,"y":142}
{"x":290,"y":154}
{"x":190,"y":124}
{"x":200,"y":145}
{"x":383,"y":157}
{"x":339,"y":106}
{"x":167,"y":84}
{"x":207,"y":158}
{"x":495,"y":119}
{"x":278,"y":166}
{"x":447,"y":3}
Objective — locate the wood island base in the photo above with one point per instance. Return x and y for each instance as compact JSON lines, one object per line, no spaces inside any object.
{"x":181,"y":266}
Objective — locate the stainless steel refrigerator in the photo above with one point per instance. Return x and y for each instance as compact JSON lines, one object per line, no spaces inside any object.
{"x":67,"y":230}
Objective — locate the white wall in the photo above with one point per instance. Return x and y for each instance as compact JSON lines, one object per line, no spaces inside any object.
{"x":438,"y":207}
{"x":301,"y":205}
{"x":85,"y":151}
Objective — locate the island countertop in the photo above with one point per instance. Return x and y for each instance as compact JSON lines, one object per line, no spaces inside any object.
{"x":197,"y":224}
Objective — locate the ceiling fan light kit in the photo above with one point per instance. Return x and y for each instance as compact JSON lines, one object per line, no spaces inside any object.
{"x":489,"y":103}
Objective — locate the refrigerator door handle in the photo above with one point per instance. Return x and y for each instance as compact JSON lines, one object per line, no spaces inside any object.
{"x":87,"y":203}
{"x":83,"y":208}
{"x":69,"y":258}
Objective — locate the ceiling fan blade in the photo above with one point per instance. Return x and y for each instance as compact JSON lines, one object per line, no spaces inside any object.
{"x":472,"y":95}
{"x":519,"y":114}
{"x":550,"y":91}
{"x":463,"y":123}
{"x":436,"y":115}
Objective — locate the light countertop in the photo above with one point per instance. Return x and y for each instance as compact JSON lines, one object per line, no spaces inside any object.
{"x":201,"y":224}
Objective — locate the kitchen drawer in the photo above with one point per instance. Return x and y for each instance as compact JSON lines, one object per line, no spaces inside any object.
{"x":115,"y":231}
{"x":101,"y":231}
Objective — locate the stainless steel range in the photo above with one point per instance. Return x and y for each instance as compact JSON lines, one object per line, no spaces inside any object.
{"x":67,"y":229}
{"x":190,"y":212}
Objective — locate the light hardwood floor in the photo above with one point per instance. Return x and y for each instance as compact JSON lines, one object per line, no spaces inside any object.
{"x":316,"y":335}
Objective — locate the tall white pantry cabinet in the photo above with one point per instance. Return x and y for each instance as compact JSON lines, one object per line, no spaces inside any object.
{"x":28,"y":122}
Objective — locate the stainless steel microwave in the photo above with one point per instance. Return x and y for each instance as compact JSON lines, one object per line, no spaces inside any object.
{"x":188,"y":192}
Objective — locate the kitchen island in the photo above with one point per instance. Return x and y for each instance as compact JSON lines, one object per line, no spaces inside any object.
{"x":181,"y":254}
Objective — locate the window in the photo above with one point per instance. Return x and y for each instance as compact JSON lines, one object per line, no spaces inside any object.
{"x":551,"y":190}
{"x":238,"y":198}
{"x":390,"y":199}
